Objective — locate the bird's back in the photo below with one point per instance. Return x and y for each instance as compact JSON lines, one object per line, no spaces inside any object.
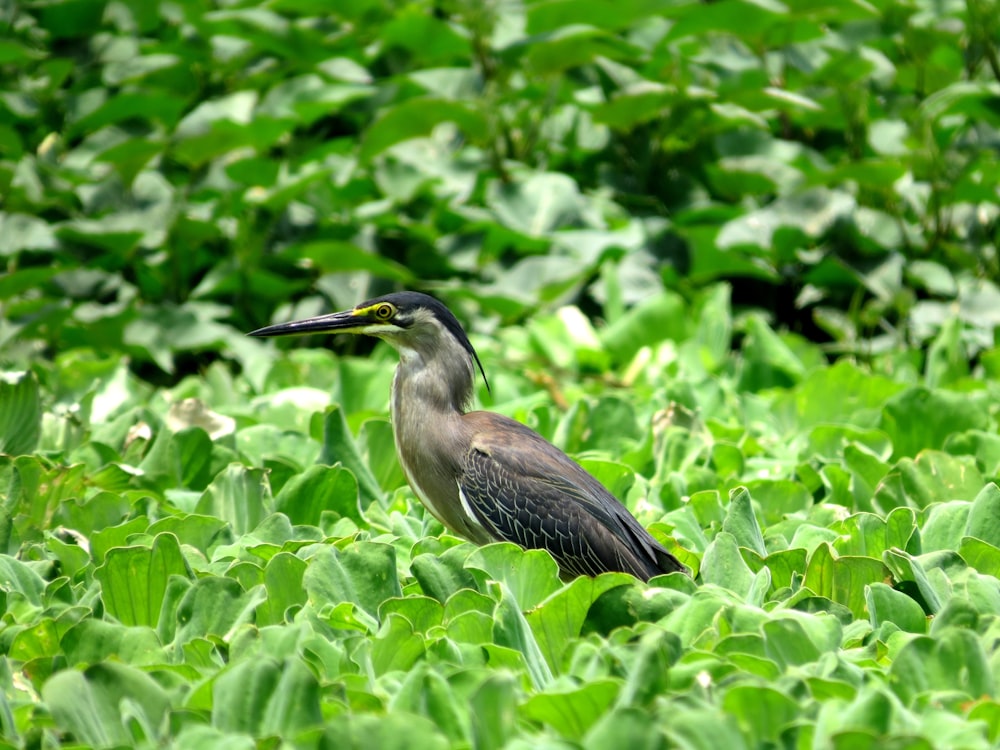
{"x":523,"y":489}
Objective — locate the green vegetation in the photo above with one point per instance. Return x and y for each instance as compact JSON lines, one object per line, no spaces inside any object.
{"x":738,"y":258}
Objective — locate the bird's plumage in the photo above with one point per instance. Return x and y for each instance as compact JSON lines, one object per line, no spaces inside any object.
{"x":483,"y":475}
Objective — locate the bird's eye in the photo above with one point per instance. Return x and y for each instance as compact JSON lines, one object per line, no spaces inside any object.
{"x":384,"y":311}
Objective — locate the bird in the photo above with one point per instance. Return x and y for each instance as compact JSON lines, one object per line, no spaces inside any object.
{"x":484,"y":476}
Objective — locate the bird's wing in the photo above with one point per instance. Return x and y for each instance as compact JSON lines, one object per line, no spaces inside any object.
{"x":527,"y":491}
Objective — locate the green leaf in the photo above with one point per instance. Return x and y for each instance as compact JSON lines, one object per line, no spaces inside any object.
{"x":654,"y":319}
{"x":980,"y":555}
{"x":530,"y":575}
{"x":391,"y":731}
{"x":842,"y":579}
{"x":416,"y":118}
{"x":926,"y":665}
{"x":93,"y":705}
{"x":306,"y":496}
{"x":426,"y":692}
{"x":984,"y":516}
{"x":724,"y":566}
{"x":572,"y":712}
{"x":933,"y":476}
{"x":511,"y":629}
{"x":538,"y":204}
{"x":265,"y":697}
{"x":742,"y":523}
{"x":239,"y":496}
{"x":494,"y":711}
{"x":134,"y":579}
{"x":20,"y":414}
{"x":215,"y":606}
{"x":396,"y":646}
{"x":93,"y":641}
{"x":868,"y":535}
{"x":363,"y":573}
{"x":558,"y":619}
{"x":797,"y":638}
{"x":283,"y":578}
{"x":761,"y":712}
{"x":918,"y":419}
{"x":339,"y":447}
{"x":442,"y":576}
{"x":885,"y":604}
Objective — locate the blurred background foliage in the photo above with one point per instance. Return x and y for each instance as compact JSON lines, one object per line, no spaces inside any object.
{"x":174,"y":173}
{"x":661,"y":219}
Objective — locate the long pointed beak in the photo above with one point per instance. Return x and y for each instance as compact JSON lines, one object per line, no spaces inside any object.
{"x":341,"y":322}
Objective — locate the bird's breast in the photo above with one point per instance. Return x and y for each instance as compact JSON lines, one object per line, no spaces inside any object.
{"x":429,"y":456}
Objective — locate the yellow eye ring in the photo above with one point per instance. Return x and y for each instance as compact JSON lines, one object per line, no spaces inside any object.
{"x":384,"y":311}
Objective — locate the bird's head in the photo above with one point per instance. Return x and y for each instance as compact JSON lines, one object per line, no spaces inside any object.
{"x":409,"y":321}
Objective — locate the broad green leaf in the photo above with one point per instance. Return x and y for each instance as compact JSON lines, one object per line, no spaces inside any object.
{"x":265,"y":697}
{"x":416,"y":118}
{"x":905,"y":567}
{"x":860,"y":395}
{"x":785,"y":566}
{"x":648,"y":674}
{"x":18,"y":579}
{"x":624,"y":727}
{"x":927,"y":665}
{"x":842,"y":579}
{"x":283,"y":582}
{"x":94,"y":705}
{"x":768,"y":360}
{"x":530,"y":575}
{"x":931,"y":477}
{"x":649,"y":322}
{"x":391,"y":731}
{"x":885,"y":604}
{"x":494,"y":710}
{"x":944,"y":525}
{"x":422,"y":612}
{"x":980,"y":555}
{"x":339,"y":447}
{"x":761,"y":712}
{"x":573,"y":712}
{"x":704,"y":729}
{"x":538,"y":204}
{"x":134,"y":579}
{"x":306,"y":496}
{"x":724,"y":566}
{"x":511,"y":630}
{"x":558,"y":619}
{"x":239,"y":496}
{"x":396,"y":647}
{"x":441,"y":576}
{"x":868,"y":535}
{"x":919,"y":419}
{"x":92,"y":641}
{"x":426,"y":692}
{"x":201,"y":532}
{"x":20,"y":413}
{"x":984,"y":516}
{"x":215,"y":606}
{"x":363,"y":573}
{"x":796,"y":638}
{"x":742,"y":523}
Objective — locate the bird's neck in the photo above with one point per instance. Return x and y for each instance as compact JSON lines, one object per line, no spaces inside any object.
{"x":425,"y":386}
{"x":427,"y":405}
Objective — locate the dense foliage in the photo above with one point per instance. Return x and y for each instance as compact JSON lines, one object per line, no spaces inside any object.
{"x":737,"y":257}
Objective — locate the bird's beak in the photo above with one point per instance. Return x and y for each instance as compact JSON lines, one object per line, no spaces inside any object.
{"x":349,"y":321}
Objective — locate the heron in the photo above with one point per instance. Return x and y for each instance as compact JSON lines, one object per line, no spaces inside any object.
{"x":484,"y":476}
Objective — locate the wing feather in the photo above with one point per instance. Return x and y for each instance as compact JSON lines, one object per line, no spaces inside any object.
{"x":524,"y":490}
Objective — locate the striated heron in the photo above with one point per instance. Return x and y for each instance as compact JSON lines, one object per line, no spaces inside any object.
{"x":485,"y":476}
